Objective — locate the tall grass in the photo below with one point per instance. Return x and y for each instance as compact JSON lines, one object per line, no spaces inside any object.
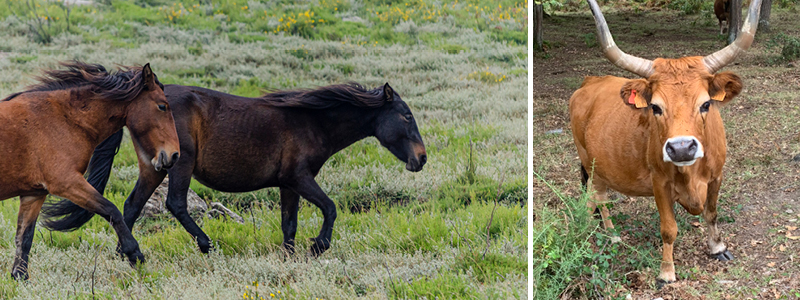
{"x":574,"y":258}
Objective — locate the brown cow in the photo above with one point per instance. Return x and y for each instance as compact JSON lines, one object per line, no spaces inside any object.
{"x":661,"y":136}
{"x":722,"y":10}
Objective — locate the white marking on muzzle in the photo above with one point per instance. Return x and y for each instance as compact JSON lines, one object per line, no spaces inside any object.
{"x":679,"y":139}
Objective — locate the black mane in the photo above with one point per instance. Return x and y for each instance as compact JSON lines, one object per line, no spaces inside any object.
{"x":123,"y":85}
{"x":327,"y":97}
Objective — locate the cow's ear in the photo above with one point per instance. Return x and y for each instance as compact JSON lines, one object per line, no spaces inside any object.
{"x":636,"y":93}
{"x":724,"y":87}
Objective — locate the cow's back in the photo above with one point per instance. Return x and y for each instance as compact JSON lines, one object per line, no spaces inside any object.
{"x":721,"y":9}
{"x":611,"y":136}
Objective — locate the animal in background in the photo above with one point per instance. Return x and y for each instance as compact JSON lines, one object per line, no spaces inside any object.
{"x":722,"y":10}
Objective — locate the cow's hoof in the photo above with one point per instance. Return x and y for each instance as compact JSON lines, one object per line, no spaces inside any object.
{"x":723,"y":256}
{"x":616,"y":239}
{"x":660,"y":283}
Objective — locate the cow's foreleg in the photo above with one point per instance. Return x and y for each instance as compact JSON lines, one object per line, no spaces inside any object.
{"x":669,"y":231}
{"x":716,"y":247}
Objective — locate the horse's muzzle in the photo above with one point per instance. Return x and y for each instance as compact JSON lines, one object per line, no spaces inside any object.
{"x":163,"y":161}
{"x":415,"y":164}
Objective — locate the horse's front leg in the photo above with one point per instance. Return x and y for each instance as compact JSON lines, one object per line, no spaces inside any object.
{"x":84,"y":195}
{"x":29,"y":207}
{"x":310,"y":190}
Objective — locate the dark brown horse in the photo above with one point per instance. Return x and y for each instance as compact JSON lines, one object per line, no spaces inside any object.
{"x":48,"y":132}
{"x":238,"y":144}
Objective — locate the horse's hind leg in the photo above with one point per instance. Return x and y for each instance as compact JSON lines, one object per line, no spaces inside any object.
{"x":180,"y":177}
{"x":84,"y":195}
{"x":309,"y":189}
{"x":29,"y":207}
{"x":290,"y":202}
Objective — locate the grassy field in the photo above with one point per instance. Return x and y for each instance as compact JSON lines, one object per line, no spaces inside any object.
{"x":461,"y":67}
{"x":573,"y":258}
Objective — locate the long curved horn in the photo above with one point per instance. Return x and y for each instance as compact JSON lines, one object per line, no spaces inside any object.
{"x":723,"y":57}
{"x":637,"y":65}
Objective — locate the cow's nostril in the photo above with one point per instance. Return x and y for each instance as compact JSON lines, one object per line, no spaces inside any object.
{"x":670,"y":150}
{"x":423,"y":159}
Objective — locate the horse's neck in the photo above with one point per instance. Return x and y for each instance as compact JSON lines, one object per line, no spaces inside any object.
{"x":349,"y":125}
{"x":98,"y":118}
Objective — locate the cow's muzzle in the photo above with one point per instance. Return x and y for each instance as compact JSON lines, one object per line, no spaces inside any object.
{"x":682,"y":150}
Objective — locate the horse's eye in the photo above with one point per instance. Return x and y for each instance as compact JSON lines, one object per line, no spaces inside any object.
{"x":162,"y":107}
{"x":656,"y":110}
{"x":409,"y":117}
{"x":704,"y":108}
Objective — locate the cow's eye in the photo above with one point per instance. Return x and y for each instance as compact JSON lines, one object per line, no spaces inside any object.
{"x":656,"y":110}
{"x":162,"y":107}
{"x":704,"y":108}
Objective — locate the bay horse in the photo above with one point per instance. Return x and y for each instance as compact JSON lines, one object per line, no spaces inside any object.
{"x":282,"y":139}
{"x":48,"y":132}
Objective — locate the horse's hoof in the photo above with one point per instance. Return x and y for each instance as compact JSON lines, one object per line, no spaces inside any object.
{"x":616,"y":239}
{"x":19,"y":275}
{"x":288,"y":249}
{"x":136,"y":258}
{"x":318,"y":246}
{"x":725,"y":255}
{"x":205,"y":247}
{"x":660,"y":283}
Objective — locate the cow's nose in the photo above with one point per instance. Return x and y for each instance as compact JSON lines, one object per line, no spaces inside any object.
{"x":681,"y":149}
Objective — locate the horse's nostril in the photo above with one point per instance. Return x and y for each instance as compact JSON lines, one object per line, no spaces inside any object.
{"x":423,"y":159}
{"x":175,"y":156}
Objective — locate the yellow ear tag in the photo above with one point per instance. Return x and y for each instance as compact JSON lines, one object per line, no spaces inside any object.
{"x":720,"y":96}
{"x":637,"y":100}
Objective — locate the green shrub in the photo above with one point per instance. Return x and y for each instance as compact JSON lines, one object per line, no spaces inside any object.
{"x":573,"y":257}
{"x":791,"y":48}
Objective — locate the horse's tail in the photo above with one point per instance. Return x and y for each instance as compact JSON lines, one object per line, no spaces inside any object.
{"x":63,"y":215}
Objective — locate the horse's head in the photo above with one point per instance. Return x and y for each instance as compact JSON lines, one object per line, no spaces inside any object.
{"x":397,"y":131}
{"x":152,"y":127}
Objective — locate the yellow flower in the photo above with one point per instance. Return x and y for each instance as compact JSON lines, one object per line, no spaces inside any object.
{"x":272,"y":295}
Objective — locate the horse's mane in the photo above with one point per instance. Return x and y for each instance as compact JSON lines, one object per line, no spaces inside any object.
{"x":123,"y":85}
{"x":327,"y":97}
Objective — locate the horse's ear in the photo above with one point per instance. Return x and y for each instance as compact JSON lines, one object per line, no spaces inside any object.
{"x":388,"y":92}
{"x":149,"y":77}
